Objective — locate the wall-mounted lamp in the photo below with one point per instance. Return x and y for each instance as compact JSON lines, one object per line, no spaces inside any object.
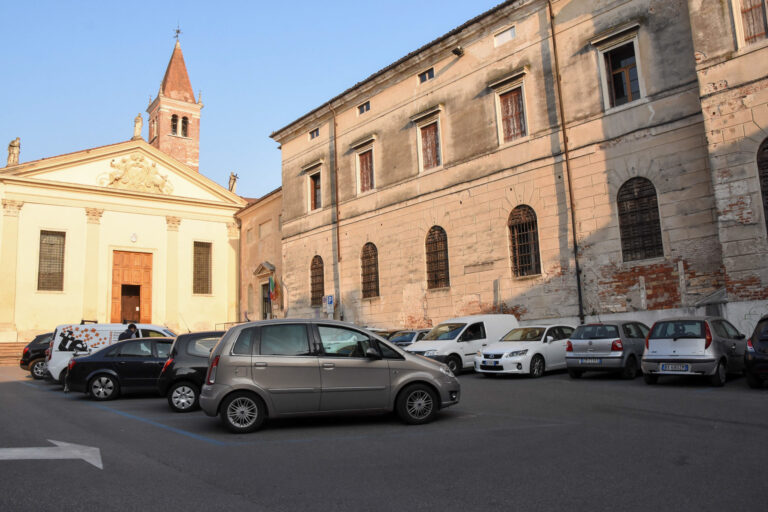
{"x":134,"y":237}
{"x":458,"y":51}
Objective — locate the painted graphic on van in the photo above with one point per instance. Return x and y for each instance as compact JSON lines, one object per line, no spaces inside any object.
{"x":82,"y":337}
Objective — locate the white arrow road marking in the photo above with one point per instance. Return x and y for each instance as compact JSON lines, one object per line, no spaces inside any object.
{"x":62,"y":450}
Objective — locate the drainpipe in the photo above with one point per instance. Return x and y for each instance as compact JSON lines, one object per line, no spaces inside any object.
{"x":335,"y":218}
{"x":561,"y":111}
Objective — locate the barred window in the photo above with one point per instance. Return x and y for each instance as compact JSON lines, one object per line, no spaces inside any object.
{"x":430,"y":146}
{"x":437,"y":258}
{"x":174,"y":124}
{"x":762,"y":170}
{"x":50,"y":275}
{"x":184,"y":127}
{"x":201,"y":273}
{"x":753,"y":20}
{"x":317,"y":283}
{"x":365,"y":160}
{"x":639,"y":223}
{"x":512,"y":114}
{"x":524,"y":242}
{"x":369,"y":262}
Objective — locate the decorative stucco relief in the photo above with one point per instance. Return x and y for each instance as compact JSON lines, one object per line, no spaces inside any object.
{"x":135,"y":172}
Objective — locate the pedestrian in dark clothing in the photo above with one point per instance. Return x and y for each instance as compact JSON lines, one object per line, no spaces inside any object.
{"x":130,"y":332}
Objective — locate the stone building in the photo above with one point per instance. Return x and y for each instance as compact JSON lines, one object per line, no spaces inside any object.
{"x":125,"y":232}
{"x":547,"y":158}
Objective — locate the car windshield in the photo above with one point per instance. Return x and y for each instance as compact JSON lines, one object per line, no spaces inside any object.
{"x":678,"y":329}
{"x":524,"y":334}
{"x":595,"y":332}
{"x":401,"y":336}
{"x":444,"y":332}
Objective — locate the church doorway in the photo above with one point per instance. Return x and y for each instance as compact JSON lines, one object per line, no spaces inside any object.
{"x":131,"y":287}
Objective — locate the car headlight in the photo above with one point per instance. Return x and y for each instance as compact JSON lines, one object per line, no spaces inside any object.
{"x":479,"y":353}
{"x":447,"y":371}
{"x":516,"y":353}
{"x":430,"y":353}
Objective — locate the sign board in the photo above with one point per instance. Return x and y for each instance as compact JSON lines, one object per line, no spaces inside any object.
{"x":329,"y":304}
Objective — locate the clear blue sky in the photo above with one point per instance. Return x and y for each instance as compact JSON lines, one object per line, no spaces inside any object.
{"x":74,"y":74}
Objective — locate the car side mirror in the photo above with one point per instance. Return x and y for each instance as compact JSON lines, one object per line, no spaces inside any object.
{"x":372,"y":353}
{"x":740,"y":336}
{"x":549,"y":339}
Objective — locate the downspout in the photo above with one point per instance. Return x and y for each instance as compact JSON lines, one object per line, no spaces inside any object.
{"x":335,"y":217}
{"x":561,"y":111}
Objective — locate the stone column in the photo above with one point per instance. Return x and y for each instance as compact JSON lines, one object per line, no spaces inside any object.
{"x":91,"y":269}
{"x":8,"y":257}
{"x":233,"y":272}
{"x":172,"y":273}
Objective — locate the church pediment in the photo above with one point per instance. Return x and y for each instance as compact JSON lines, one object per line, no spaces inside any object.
{"x":138,"y":173}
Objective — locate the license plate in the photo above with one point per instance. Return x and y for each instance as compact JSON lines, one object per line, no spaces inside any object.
{"x":590,"y":360}
{"x":674,"y":367}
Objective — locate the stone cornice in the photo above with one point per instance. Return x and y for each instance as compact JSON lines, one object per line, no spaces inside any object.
{"x":12,"y":208}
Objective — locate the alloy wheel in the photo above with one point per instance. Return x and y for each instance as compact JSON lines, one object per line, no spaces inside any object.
{"x":39,"y":369}
{"x":103,"y":387}
{"x":242,"y":412}
{"x":183,"y":397}
{"x":419,"y":404}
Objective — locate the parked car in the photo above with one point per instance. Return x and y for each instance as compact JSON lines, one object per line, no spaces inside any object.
{"x":756,"y":359}
{"x":33,"y":355}
{"x":405,"y":338}
{"x":73,"y":339}
{"x":692,"y":345}
{"x":127,"y":366}
{"x":278,"y":368}
{"x":456,"y":341}
{"x":531,"y":350}
{"x":183,"y":374}
{"x":610,"y":346}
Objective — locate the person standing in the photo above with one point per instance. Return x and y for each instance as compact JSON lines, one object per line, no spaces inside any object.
{"x":130,"y":332}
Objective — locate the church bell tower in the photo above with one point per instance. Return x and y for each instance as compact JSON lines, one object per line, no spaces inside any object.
{"x":174,"y":115}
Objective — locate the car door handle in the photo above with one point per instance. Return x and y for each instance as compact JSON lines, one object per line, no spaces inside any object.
{"x":485,"y":344}
{"x":329,"y":366}
{"x":260,"y":365}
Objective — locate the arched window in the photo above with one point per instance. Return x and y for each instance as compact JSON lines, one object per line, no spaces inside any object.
{"x":369,"y":262}
{"x":184,"y":127}
{"x":524,"y":242}
{"x":316,"y":277}
{"x":762,"y":171}
{"x":437,"y":258}
{"x":639,"y":220}
{"x":174,"y":124}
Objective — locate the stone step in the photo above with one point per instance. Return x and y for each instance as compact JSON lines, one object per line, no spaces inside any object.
{"x":10,"y":353}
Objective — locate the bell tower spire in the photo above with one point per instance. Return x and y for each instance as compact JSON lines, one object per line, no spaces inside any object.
{"x":174,"y":115}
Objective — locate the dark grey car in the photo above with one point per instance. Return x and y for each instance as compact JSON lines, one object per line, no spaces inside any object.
{"x":279,"y":368}
{"x":611,"y":346}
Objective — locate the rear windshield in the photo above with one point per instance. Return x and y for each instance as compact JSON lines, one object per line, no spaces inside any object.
{"x":524,"y":334}
{"x":678,"y":329}
{"x":401,"y":336}
{"x":595,"y":332}
{"x":444,"y":332}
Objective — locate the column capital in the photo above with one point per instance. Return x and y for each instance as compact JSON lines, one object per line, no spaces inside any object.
{"x":94,"y":215}
{"x":233,"y":230}
{"x":172,"y":222}
{"x":12,"y":208}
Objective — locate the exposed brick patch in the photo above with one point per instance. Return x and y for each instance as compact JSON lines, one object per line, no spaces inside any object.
{"x":749,"y":288}
{"x":412,"y":322}
{"x":618,"y":286}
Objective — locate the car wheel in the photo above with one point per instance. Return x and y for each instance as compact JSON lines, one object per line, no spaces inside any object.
{"x":575,"y":374}
{"x":417,"y":404}
{"x":183,"y":397}
{"x":754,"y":381}
{"x":718,"y":378}
{"x":630,"y":370}
{"x":63,"y":377}
{"x":242,"y":412}
{"x":103,"y":387}
{"x":650,"y":378}
{"x":454,"y":364}
{"x":537,"y":367}
{"x":38,"y":368}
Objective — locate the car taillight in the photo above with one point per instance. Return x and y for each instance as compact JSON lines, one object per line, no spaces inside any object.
{"x":212,"y":371}
{"x":569,"y":346}
{"x":71,"y":364}
{"x":750,"y":347}
{"x":707,"y":336}
{"x":647,"y":338}
{"x":24,"y":352}
{"x":167,"y":364}
{"x":616,"y":346}
{"x":48,"y":353}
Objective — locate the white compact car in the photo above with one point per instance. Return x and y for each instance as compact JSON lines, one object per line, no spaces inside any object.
{"x":526,"y":350}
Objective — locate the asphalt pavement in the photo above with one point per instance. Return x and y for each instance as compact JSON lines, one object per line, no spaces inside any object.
{"x":598,"y":443}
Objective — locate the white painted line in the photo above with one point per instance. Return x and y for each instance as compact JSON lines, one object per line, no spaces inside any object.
{"x":62,"y":450}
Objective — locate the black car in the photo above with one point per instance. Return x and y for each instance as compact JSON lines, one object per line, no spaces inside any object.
{"x":33,"y":356}
{"x":756,"y":356}
{"x":184,"y":372}
{"x":128,"y":366}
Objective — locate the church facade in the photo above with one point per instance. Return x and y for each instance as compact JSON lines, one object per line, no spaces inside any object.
{"x":126,"y":232}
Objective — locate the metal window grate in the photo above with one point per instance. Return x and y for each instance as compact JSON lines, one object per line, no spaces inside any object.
{"x":639,"y":223}
{"x":174,"y":124}
{"x":512,"y":118}
{"x":201,"y":273}
{"x":753,"y":17}
{"x":524,"y":242}
{"x":437,"y":258}
{"x":430,"y":146}
{"x":366,"y":170}
{"x":369,"y":261}
{"x":317,"y":283}
{"x":762,"y":170}
{"x":50,"y":275}
{"x":184,"y":127}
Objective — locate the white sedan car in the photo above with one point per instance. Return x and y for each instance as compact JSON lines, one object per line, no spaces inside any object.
{"x":526,"y":350}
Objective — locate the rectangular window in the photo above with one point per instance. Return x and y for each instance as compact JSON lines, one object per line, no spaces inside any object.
{"x":753,"y":20}
{"x":512,"y":114}
{"x":365,"y":107}
{"x":504,"y":37}
{"x":622,"y":74}
{"x":315,"y":198}
{"x":50,"y":275}
{"x":365,"y":164}
{"x":427,"y":75}
{"x":201,"y":278}
{"x":430,"y":146}
{"x":314,"y":133}
{"x":284,"y":340}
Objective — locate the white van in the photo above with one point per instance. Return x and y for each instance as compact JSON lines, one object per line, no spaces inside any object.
{"x":78,"y":339}
{"x":456,"y":341}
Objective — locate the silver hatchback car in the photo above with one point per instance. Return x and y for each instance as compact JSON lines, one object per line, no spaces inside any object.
{"x":282,"y":368}
{"x":609,"y":346}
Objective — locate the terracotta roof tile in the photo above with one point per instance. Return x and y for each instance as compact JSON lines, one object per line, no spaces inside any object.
{"x":176,"y":84}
